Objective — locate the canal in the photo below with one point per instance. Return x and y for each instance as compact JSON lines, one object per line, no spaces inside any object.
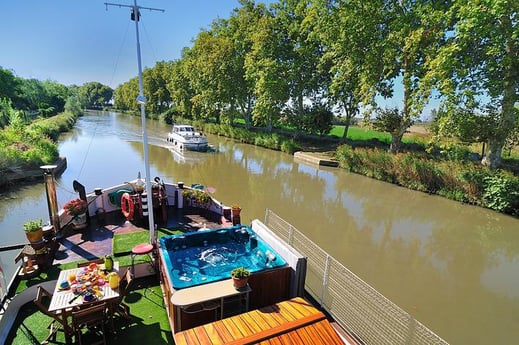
{"x":454,"y":267}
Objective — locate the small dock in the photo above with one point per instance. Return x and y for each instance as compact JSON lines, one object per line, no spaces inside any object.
{"x":315,"y":158}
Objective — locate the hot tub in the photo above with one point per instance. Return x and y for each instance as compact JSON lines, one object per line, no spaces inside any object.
{"x":207,"y":256}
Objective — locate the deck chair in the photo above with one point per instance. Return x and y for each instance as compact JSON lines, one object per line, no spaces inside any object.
{"x":59,"y":320}
{"x":92,"y":317}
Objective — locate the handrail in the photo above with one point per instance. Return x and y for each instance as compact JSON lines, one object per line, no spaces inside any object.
{"x":353,"y":303}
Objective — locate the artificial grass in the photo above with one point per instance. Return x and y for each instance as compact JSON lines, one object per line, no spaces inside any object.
{"x":123,"y":243}
{"x":149,"y":323}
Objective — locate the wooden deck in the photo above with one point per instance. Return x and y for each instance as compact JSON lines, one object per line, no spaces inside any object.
{"x":290,"y":322}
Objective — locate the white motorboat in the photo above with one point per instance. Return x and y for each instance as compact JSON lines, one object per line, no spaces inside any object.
{"x":184,"y":137}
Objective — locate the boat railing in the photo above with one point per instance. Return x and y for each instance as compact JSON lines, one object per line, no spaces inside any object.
{"x":353,"y":303}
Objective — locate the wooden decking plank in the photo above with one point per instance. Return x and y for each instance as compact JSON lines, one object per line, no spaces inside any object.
{"x":180,"y":339}
{"x":323,"y":330}
{"x":234,"y":331}
{"x":275,"y":314}
{"x":255,"y":324}
{"x":297,"y":309}
{"x":268,"y":320}
{"x":222,"y":331}
{"x":242,"y":325}
{"x":189,"y":337}
{"x":275,"y":331}
{"x":203,"y":337}
{"x":211,"y":331}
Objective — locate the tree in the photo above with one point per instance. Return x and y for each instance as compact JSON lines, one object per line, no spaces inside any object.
{"x":264,"y":68}
{"x":479,"y":65}
{"x":299,"y":54}
{"x":210,"y":73}
{"x":351,"y":33}
{"x":95,"y":94}
{"x":10,"y":86}
{"x":411,"y":40}
{"x":125,"y":95}
{"x":155,"y":81}
{"x":179,"y":86}
{"x":240,"y":30}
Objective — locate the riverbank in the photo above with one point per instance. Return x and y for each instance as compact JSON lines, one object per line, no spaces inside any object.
{"x":26,"y":147}
{"x":14,"y":175}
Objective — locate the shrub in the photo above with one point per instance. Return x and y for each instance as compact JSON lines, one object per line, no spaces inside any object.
{"x":502,"y":193}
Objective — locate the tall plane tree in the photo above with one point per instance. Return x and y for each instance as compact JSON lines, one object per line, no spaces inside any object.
{"x":478,"y":68}
{"x":352,"y":33}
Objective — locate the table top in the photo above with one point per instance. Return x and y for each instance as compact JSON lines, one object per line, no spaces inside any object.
{"x":206,"y":292}
{"x":63,"y":299}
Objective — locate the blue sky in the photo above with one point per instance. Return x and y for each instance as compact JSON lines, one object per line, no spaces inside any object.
{"x":77,"y":41}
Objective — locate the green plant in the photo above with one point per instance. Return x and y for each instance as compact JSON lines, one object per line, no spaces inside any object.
{"x":240,"y":273}
{"x":33,"y":225}
{"x":199,"y":196}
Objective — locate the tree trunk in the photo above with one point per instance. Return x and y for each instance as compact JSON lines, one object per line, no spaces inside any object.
{"x":493,"y":156}
{"x":396,"y":140}
{"x":506,"y":124}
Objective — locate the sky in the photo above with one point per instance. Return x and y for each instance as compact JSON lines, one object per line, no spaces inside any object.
{"x":78,"y":41}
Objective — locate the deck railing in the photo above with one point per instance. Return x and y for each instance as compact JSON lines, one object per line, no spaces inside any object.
{"x":354,"y":304}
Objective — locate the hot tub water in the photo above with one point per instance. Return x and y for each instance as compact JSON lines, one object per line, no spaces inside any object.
{"x":210,"y":255}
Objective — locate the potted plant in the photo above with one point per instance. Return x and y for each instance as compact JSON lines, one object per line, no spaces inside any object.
{"x":33,"y":230}
{"x":197,"y":197}
{"x":76,"y":208}
{"x":240,"y":277}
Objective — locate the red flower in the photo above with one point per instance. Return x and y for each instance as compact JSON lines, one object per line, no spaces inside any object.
{"x":75,"y":207}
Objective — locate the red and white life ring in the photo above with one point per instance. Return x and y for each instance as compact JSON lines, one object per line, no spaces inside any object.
{"x":127,"y":206}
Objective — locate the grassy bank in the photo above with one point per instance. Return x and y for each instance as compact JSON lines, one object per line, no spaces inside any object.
{"x":449,"y":170}
{"x":30,"y":146}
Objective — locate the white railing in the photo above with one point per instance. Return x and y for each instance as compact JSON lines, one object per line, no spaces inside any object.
{"x":354,"y":304}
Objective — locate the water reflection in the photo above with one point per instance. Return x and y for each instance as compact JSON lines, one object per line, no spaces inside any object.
{"x":453,"y":266}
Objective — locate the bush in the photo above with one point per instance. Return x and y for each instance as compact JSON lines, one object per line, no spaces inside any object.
{"x":502,"y":193}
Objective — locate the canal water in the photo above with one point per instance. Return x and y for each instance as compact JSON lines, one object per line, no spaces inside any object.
{"x":454,"y":267}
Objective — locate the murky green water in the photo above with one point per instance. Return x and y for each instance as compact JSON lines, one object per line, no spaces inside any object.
{"x":454,"y":267}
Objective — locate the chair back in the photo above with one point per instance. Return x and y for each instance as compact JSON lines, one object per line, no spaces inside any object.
{"x":89,"y":314}
{"x":42,"y":301}
{"x":124,"y":284}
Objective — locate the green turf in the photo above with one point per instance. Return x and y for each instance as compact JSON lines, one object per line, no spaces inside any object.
{"x":123,"y":243}
{"x":149,"y":323}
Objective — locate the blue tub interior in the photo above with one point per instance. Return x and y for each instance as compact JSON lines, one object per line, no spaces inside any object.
{"x":208,"y":256}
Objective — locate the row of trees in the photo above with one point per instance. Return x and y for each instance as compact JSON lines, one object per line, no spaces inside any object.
{"x":21,"y":98}
{"x":279,"y":64}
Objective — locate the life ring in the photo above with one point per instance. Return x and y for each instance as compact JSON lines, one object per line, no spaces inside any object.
{"x":127,"y":206}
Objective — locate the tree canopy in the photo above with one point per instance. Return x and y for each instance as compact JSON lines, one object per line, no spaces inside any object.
{"x":277,"y":65}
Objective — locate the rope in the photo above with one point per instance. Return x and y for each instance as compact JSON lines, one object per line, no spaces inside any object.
{"x":149,"y":41}
{"x":119,"y":54}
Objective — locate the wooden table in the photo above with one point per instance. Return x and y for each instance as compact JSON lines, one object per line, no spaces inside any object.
{"x":61,"y":299}
{"x":218,"y":291}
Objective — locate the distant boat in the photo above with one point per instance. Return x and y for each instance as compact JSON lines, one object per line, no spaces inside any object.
{"x":184,"y":137}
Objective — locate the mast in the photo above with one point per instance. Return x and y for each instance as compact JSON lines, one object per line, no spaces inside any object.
{"x":135,"y":16}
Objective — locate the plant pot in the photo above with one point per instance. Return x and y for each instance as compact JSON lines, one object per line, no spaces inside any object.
{"x":35,"y":236}
{"x":79,"y":221}
{"x":239,"y":282}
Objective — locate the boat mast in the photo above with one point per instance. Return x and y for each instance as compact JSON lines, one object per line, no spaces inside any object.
{"x":135,"y":16}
